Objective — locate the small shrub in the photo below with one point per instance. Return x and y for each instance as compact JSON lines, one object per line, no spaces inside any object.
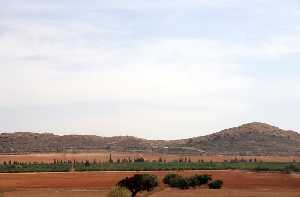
{"x":119,"y":192}
{"x":217,"y":184}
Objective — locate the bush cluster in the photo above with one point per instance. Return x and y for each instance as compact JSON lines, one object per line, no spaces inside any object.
{"x":178,"y":181}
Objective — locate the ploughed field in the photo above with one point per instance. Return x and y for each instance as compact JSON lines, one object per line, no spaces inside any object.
{"x":89,"y":184}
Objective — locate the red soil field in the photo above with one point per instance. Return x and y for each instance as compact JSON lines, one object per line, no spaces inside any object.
{"x":226,"y":193}
{"x":233,"y":179}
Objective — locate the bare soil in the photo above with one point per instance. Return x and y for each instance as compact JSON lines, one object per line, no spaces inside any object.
{"x":233,"y":179}
{"x":91,"y":184}
{"x":57,"y":193}
{"x":227,"y":193}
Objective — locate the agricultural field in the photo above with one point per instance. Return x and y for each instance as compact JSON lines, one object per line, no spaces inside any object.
{"x":158,"y":166}
{"x":90,"y":184}
{"x":162,"y":193}
{"x":227,"y":193}
{"x":91,"y":174}
{"x":65,"y":166}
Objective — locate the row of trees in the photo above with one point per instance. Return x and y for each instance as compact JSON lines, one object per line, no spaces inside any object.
{"x":138,"y":164}
{"x":130,"y":160}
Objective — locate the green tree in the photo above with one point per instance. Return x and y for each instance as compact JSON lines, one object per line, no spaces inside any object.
{"x":139,"y":182}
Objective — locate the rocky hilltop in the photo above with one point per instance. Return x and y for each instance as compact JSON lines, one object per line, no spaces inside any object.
{"x":248,"y":139}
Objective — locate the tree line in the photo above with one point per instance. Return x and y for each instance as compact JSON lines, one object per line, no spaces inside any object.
{"x":140,"y":164}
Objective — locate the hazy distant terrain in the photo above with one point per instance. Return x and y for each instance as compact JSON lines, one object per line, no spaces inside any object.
{"x":248,"y":139}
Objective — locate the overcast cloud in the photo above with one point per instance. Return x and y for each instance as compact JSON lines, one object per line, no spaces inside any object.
{"x":153,"y":69}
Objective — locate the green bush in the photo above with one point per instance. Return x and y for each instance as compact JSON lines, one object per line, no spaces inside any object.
{"x":198,"y":180}
{"x":119,"y":192}
{"x":175,"y":180}
{"x":216,"y":184}
{"x":168,"y":177}
{"x":179,"y":182}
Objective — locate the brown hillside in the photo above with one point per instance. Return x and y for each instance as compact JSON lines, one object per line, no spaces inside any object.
{"x":248,"y":139}
{"x":253,"y":138}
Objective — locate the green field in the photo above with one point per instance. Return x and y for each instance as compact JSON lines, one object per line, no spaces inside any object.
{"x":37,"y":167}
{"x":149,"y":166}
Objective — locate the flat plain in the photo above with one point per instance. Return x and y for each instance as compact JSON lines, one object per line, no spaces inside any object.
{"x":89,"y":184}
{"x":237,"y":183}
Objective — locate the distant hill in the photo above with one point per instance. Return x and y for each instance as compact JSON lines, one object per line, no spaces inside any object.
{"x":248,"y":139}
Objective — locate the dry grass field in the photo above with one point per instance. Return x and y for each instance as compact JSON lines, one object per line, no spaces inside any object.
{"x":90,"y":184}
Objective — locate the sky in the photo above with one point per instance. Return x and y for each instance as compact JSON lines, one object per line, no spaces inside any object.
{"x":159,"y":69}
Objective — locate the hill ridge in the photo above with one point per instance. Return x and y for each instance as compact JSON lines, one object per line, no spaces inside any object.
{"x":247,"y":139}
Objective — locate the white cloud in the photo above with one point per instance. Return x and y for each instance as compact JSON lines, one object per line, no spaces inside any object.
{"x":281,"y":45}
{"x":154,"y":85}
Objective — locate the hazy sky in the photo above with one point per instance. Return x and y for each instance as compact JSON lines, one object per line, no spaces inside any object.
{"x":163,"y":69}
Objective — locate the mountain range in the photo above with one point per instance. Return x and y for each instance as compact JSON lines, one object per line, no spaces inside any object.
{"x":248,"y":139}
